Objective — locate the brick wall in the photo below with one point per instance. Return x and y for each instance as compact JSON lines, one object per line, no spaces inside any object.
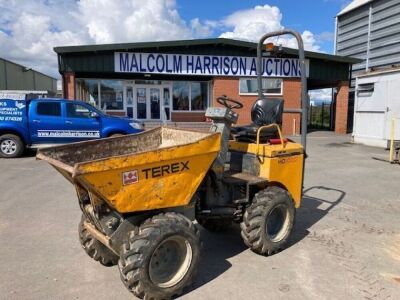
{"x":188,"y":117}
{"x":292,"y":98}
{"x":69,"y":85}
{"x":291,"y":94}
{"x":342,"y":102}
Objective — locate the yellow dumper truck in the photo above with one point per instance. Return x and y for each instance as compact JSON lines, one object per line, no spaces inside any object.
{"x":137,"y":192}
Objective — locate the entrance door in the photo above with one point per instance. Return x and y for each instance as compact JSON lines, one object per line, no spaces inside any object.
{"x":147,"y":102}
{"x":392,"y":110}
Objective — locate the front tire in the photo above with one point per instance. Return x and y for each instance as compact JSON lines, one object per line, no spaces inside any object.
{"x":268,"y":221}
{"x":94,"y":248}
{"x":11,"y":146}
{"x":160,"y":258}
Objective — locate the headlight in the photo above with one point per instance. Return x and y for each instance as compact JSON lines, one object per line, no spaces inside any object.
{"x":136,"y":125}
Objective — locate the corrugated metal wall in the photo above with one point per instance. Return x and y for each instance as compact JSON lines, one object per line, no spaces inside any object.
{"x":372,"y":33}
{"x":16,"y":77}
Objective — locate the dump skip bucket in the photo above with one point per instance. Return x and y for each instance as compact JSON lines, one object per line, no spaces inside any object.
{"x":155,"y":169}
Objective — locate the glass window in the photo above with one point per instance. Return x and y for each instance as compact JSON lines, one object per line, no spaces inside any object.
{"x":166,"y":93}
{"x":270,"y":86}
{"x":111,"y":95}
{"x":88,"y":90}
{"x":166,"y":96}
{"x":190,"y":96}
{"x":198,"y":95}
{"x":141,"y":103}
{"x":154,"y":103}
{"x":49,"y":109}
{"x":180,"y":95}
{"x":77,"y":111}
{"x":129,"y":96}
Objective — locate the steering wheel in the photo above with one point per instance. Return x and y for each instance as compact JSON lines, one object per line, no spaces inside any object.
{"x":224,"y":100}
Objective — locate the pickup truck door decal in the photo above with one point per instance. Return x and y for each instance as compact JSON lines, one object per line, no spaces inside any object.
{"x":69,"y":134}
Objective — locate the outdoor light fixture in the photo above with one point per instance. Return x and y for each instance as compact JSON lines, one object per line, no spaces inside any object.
{"x":269,"y":47}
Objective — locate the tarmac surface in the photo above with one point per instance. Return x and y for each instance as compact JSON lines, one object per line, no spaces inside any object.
{"x":345,"y":244}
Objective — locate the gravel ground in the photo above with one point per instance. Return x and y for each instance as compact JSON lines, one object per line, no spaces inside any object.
{"x":345,"y":244}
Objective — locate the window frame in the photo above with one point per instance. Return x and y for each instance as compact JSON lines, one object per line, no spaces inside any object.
{"x":124,"y":109}
{"x":190,"y":97}
{"x":49,"y":116}
{"x":77,"y":117}
{"x":98,"y":90}
{"x":255,"y":94}
{"x":99,"y":80}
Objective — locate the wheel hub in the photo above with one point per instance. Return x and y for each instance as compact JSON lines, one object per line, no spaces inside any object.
{"x":170,"y":261}
{"x":277,"y":223}
{"x":8,"y":146}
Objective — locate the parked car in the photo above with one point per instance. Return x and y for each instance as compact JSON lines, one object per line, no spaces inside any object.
{"x":39,"y":122}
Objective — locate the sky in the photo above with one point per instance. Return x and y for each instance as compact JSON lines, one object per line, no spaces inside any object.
{"x":30,"y":29}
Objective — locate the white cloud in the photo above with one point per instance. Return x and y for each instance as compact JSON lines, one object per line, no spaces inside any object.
{"x":30,"y":29}
{"x":252,"y":24}
{"x":30,"y":39}
{"x":130,"y":21}
{"x":320,"y":95}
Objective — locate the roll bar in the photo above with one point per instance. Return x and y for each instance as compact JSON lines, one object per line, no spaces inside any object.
{"x":304,"y":96}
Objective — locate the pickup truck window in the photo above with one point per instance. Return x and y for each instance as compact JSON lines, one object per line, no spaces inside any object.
{"x":49,"y":109}
{"x":77,"y":111}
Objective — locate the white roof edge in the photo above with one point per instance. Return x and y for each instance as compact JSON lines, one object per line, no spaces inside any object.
{"x":379,"y":72}
{"x":353,"y":5}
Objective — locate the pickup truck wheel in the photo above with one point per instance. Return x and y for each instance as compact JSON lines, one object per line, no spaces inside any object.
{"x":160,"y":258}
{"x":11,"y":146}
{"x":94,"y":248}
{"x":268,"y":221}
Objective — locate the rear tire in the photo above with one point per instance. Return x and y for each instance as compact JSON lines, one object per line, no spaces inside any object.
{"x":11,"y":146}
{"x":94,"y":248}
{"x":268,"y":221}
{"x":160,"y":258}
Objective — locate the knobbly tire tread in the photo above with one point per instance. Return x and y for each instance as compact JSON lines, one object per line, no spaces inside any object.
{"x":254,"y":218}
{"x":138,"y":248}
{"x":94,"y":248}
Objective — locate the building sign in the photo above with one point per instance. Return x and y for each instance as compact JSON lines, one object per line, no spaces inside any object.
{"x":186,"y":64}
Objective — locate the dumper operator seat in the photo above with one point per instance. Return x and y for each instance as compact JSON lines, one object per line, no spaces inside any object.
{"x":264,"y":112}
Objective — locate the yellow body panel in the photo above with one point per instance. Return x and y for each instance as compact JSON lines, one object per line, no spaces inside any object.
{"x":166,"y":177}
{"x":281,"y":164}
{"x":158,"y":168}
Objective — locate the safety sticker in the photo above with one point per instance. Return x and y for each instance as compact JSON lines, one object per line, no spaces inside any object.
{"x":130,"y":177}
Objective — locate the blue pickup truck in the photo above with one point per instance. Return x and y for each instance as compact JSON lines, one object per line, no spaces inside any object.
{"x":38,"y":122}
